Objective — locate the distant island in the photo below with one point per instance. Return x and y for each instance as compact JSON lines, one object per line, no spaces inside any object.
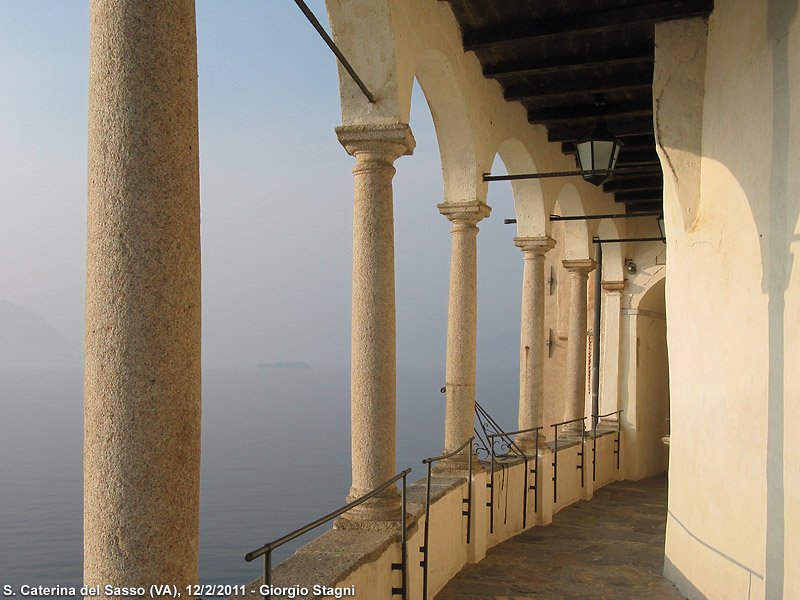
{"x":285,"y":365}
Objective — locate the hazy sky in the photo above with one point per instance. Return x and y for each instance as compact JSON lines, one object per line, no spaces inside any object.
{"x":276,"y":193}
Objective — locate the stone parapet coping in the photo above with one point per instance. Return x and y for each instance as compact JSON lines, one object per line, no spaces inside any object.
{"x":333,"y":556}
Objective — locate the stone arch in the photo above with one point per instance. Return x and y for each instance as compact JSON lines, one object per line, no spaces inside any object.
{"x":364,"y":32}
{"x":528,"y":197}
{"x":657,"y":276}
{"x":575,"y":233}
{"x":613,"y":254}
{"x":649,"y":398}
{"x":453,"y":127}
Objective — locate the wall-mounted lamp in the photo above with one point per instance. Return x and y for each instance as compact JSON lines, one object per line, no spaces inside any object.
{"x":661,"y":229}
{"x":631,"y":267}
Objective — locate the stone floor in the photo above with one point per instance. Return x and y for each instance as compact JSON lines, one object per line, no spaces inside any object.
{"x":610,"y":547}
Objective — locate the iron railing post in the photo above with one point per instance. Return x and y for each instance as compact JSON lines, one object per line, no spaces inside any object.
{"x":267,"y":579}
{"x":536,"y":475}
{"x":555,"y":465}
{"x":425,"y":548}
{"x":491,"y":488}
{"x":583,"y":452}
{"x":403,"y":565}
{"x":468,"y":512}
{"x":267,"y":549}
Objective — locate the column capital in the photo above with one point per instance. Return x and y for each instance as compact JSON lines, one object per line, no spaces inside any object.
{"x":538,"y":246}
{"x":465,"y":213}
{"x":388,"y":141}
{"x":614,"y":286}
{"x":579,"y":266}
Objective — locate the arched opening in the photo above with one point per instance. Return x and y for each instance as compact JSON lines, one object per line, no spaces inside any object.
{"x":649,"y":405}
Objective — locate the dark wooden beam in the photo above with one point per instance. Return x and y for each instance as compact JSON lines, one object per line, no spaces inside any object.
{"x":634,"y":184}
{"x":613,"y":57}
{"x":637,"y":158}
{"x":578,"y":24}
{"x":637,"y":207}
{"x":548,"y":92}
{"x":633,"y":143}
{"x":589,"y":113}
{"x":644,"y":196}
{"x":623,"y":129}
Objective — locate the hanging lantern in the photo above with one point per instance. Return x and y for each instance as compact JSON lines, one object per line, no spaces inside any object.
{"x":597,"y":150}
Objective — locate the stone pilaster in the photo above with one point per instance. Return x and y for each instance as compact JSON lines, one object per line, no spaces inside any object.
{"x":461,"y":323}
{"x":142,"y":369}
{"x":576,"y":343}
{"x":373,"y":364}
{"x":532,"y":343}
{"x":609,"y":368}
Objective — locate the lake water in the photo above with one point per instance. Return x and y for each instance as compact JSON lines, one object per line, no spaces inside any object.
{"x":275,"y":455}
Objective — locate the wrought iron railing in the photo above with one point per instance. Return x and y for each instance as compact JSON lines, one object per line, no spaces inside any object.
{"x":467,"y":513}
{"x":267,"y":549}
{"x":487,"y":426}
{"x":513,"y":447}
{"x":617,"y":441}
{"x":580,"y":466}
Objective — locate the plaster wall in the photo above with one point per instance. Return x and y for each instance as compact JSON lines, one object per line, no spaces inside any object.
{"x":731,"y":297}
{"x":606,"y":470}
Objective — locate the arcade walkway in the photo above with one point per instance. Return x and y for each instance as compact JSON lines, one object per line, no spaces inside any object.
{"x":610,"y":547}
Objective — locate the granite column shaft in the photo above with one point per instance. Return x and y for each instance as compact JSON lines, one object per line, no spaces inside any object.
{"x":142,"y":365}
{"x":576,"y":343}
{"x":462,"y":323}
{"x":373,"y":350}
{"x":532,"y":342}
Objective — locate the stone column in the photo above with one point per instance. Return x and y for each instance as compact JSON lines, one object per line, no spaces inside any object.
{"x":532,"y":343}
{"x":576,"y":344}
{"x":609,"y":368}
{"x":142,"y":370}
{"x":461,"y":324}
{"x":373,"y":368}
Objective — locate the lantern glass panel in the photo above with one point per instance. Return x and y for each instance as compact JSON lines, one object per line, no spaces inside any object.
{"x":617,"y":146}
{"x":603,"y":153}
{"x":585,"y":155}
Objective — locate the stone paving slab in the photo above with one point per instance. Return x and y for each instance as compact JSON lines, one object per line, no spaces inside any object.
{"x":608,"y":548}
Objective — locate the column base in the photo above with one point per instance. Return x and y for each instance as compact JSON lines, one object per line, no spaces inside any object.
{"x":527,"y":443}
{"x":458,"y":465}
{"x":380,"y":512}
{"x":573,"y":429}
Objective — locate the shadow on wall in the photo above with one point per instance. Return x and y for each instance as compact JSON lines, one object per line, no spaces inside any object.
{"x":687,"y":585}
{"x":777,"y":261}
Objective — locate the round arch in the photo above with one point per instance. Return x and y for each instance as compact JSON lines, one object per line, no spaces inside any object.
{"x":613,"y":254}
{"x":575,"y":233}
{"x":528,"y":198}
{"x":453,"y":127}
{"x":656,"y":278}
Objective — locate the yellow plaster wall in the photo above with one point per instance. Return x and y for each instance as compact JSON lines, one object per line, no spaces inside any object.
{"x":733,"y":340}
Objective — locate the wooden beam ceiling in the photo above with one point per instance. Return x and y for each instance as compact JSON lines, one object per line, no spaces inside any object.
{"x":548,"y":92}
{"x":583,"y":114}
{"x":579,"y":24}
{"x":566,"y":63}
{"x":558,"y":57}
{"x":635,"y":127}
